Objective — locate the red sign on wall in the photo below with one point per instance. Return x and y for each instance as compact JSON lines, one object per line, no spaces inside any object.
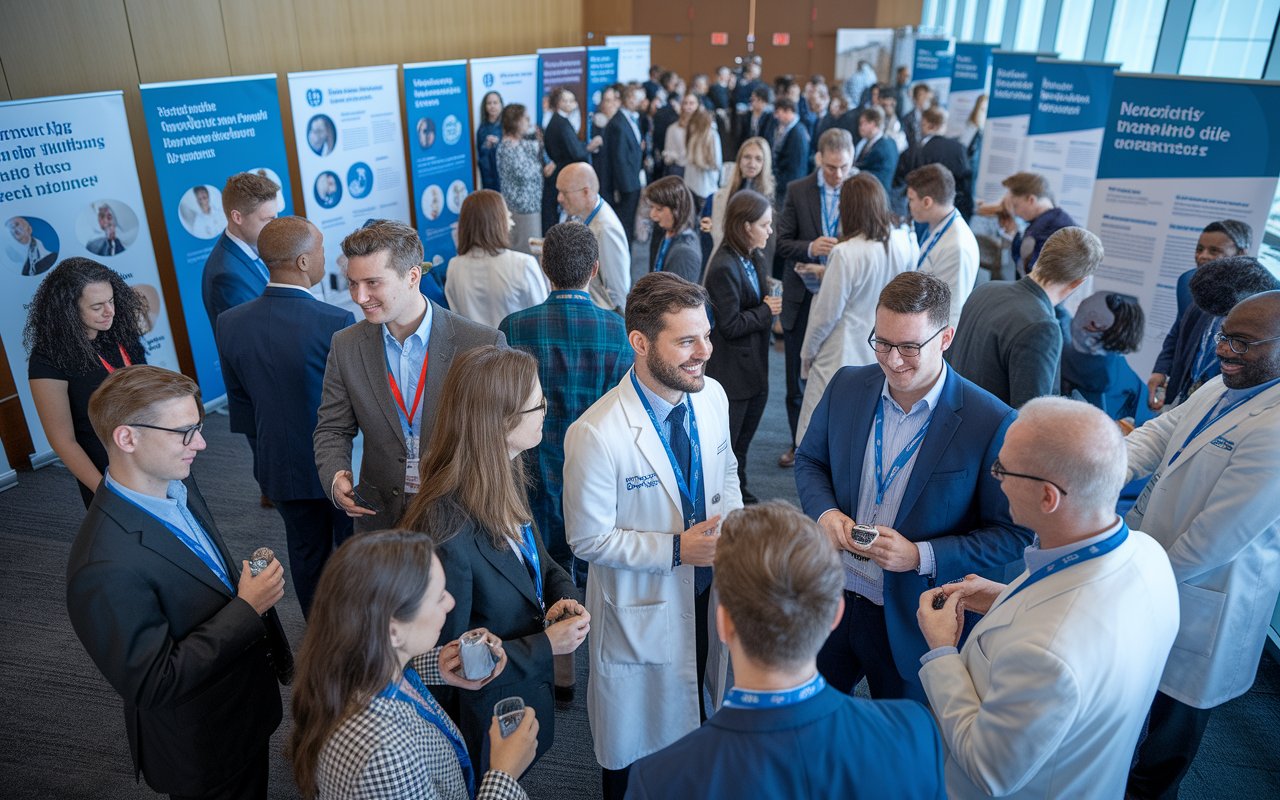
{"x":781,"y":39}
{"x":720,"y":38}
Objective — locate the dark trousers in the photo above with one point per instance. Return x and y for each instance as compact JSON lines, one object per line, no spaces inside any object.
{"x":250,"y":783}
{"x":794,"y":340}
{"x":625,"y":207}
{"x":744,"y":419}
{"x":1174,"y":731}
{"x":313,"y":529}
{"x":860,"y":646}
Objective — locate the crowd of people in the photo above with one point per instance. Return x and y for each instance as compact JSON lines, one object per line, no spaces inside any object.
{"x":556,"y":451}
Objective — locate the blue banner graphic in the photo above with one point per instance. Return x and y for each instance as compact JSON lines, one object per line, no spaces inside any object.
{"x":934,"y":61}
{"x":970,"y":80}
{"x":602,"y":71}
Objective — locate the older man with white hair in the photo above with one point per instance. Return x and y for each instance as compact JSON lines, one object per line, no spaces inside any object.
{"x":1049,"y":693}
{"x":579,"y":195}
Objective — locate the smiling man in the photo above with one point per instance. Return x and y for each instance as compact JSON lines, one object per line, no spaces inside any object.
{"x":648,"y":474}
{"x":904,"y":445}
{"x":384,"y":376}
{"x":1212,"y":505}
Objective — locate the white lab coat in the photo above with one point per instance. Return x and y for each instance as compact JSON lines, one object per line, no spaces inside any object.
{"x":485,"y":288}
{"x":1217,"y":513}
{"x":954,"y":259}
{"x":843,"y":313}
{"x":1049,"y":693}
{"x":621,"y":507}
{"x":609,"y":288}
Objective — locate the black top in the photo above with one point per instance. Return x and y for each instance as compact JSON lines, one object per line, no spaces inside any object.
{"x":684,"y":254}
{"x":740,"y":339}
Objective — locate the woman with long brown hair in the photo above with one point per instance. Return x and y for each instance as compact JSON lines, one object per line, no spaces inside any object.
{"x":873,"y":249}
{"x":364,"y":724}
{"x":674,"y":245}
{"x":474,"y":504}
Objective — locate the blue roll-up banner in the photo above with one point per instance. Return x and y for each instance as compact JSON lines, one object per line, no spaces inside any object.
{"x":439,"y":154}
{"x":602,"y":71}
{"x":69,"y":187}
{"x":970,"y":79}
{"x":933,"y":63}
{"x":1177,"y":154}
{"x":1013,"y":85}
{"x":1064,"y":137}
{"x":203,"y":132}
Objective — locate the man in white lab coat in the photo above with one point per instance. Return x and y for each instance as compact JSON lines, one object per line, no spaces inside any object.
{"x":1048,"y":696}
{"x":648,"y":474}
{"x":1212,"y":505}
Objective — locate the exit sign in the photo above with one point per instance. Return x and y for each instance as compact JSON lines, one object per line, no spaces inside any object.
{"x":781,"y":39}
{"x":720,"y":38}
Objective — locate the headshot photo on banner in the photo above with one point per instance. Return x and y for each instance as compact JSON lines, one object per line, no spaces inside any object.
{"x":203,"y":132}
{"x":602,"y":71}
{"x":933,"y":64}
{"x":71,"y":189}
{"x":567,"y":67}
{"x":1178,"y":153}
{"x":514,"y":78}
{"x":970,"y":79}
{"x":349,"y":138}
{"x":633,"y":57}
{"x":439,"y":155}
{"x":1004,"y":137}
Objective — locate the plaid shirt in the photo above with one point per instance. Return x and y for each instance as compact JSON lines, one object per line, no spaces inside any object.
{"x":582,"y":353}
{"x":389,"y":752}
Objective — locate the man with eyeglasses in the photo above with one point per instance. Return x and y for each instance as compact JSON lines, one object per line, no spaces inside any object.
{"x":185,"y":633}
{"x":903,"y":446}
{"x":1047,"y":697}
{"x":1212,"y":504}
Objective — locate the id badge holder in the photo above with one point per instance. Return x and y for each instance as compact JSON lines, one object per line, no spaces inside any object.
{"x":412,"y":482}
{"x":1145,"y":497}
{"x":867,"y":570}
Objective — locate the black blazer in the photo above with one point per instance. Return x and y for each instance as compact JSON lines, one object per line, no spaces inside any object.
{"x":492,"y":589}
{"x":623,"y":157}
{"x":798,"y":225}
{"x":950,"y":154}
{"x":190,"y":661}
{"x":562,"y":145}
{"x":684,"y":255}
{"x":663,"y":119}
{"x":791,"y":161}
{"x":740,"y":337}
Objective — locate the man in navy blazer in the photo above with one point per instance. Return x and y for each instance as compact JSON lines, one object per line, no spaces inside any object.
{"x":781,"y":731}
{"x":623,"y":160}
{"x":790,"y":147}
{"x":874,"y":153}
{"x":274,"y":349}
{"x":938,"y":513}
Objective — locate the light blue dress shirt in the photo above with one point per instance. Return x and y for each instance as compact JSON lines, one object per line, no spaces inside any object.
{"x":661,"y":409}
{"x":406,"y":365}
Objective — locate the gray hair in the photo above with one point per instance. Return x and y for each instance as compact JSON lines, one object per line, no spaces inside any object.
{"x":1078,"y":447}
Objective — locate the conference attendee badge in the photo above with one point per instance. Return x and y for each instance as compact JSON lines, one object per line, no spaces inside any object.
{"x":411,"y":480}
{"x":865,"y":569}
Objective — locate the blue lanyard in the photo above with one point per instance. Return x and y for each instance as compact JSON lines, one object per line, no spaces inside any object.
{"x":744,"y":698}
{"x":1208,"y":419}
{"x":530,"y":550}
{"x":695,"y":455}
{"x":936,"y":237}
{"x":572,"y":295}
{"x":432,"y":713}
{"x":594,"y":211}
{"x":750,"y":269}
{"x":883,"y":482}
{"x":215,"y":564}
{"x":662,"y":253}
{"x":830,"y":215}
{"x":1205,"y":356}
{"x":1070,"y":560}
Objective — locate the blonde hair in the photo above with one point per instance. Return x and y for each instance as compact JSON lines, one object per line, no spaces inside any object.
{"x":764,"y":183}
{"x":698,"y":141}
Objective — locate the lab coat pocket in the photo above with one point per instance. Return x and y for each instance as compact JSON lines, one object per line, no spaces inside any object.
{"x":635,"y":634}
{"x":1201,"y":611}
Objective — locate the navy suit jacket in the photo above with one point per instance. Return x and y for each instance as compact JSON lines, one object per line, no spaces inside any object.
{"x":829,"y":746}
{"x":951,"y":499}
{"x":791,"y":161}
{"x":230,"y":279}
{"x":623,"y":158}
{"x":880,"y":160}
{"x":273,"y":350}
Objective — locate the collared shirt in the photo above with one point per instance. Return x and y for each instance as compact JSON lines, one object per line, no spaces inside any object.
{"x":662,"y":409}
{"x":406,"y":363}
{"x":899,"y":428}
{"x":173,"y":510}
{"x":829,"y":197}
{"x":274,"y":285}
{"x":1233,"y":395}
{"x":865,"y":144}
{"x":781,"y":134}
{"x":250,"y":251}
{"x":634,"y":118}
{"x":1035,"y":559}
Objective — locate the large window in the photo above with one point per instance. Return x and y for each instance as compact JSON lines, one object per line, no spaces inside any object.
{"x":995,"y":21}
{"x":1027,"y":35}
{"x":1073,"y":29}
{"x":1229,"y":38}
{"x":1135,"y":30}
{"x":968,"y":20}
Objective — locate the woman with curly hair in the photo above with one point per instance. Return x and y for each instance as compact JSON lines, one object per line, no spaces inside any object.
{"x":85,"y":323}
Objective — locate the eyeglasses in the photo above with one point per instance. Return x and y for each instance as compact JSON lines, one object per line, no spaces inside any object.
{"x":999,"y":473}
{"x":188,"y":433}
{"x":906,"y":349}
{"x":1235,"y":343}
{"x":539,"y":407}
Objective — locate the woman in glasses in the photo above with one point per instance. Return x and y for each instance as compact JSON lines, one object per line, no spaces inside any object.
{"x":85,"y":323}
{"x":474,"y":505}
{"x":873,"y":249}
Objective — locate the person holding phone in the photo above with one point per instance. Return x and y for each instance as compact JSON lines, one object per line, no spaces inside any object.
{"x":364,"y":724}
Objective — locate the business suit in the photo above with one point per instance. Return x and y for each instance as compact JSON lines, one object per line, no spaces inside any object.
{"x":357,"y":398}
{"x":273,"y":352}
{"x":1177,"y":360}
{"x":949,"y":153}
{"x":564,"y":148}
{"x":493,"y":589}
{"x":643,"y":692}
{"x":190,"y":660}
{"x":231,"y":278}
{"x":791,"y":160}
{"x":879,"y":158}
{"x":828,"y":746}
{"x":684,"y":254}
{"x":951,"y":499}
{"x":620,"y":180}
{"x":765,"y":126}
{"x":1049,"y":693}
{"x":798,"y":225}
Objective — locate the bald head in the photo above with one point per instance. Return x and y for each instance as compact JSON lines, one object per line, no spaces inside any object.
{"x":1073,"y":444}
{"x":579,"y":189}
{"x":293,"y":250}
{"x":1255,"y":319}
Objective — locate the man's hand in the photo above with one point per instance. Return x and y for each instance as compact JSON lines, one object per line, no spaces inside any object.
{"x":704,"y":224}
{"x":892,"y":551}
{"x":978,"y":593}
{"x":595,"y":144}
{"x":549,"y":168}
{"x":490,"y":141}
{"x":698,"y":544}
{"x":565,"y":605}
{"x":941,"y":627}
{"x":990,"y":209}
{"x":450,"y":662}
{"x":1156,"y":380}
{"x":822,"y":245}
{"x":344,"y":494}
{"x":567,"y":634}
{"x":774,"y":304}
{"x":837,"y":527}
{"x":264,"y":590}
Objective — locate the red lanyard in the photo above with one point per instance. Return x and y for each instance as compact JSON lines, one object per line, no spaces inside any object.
{"x":417,"y":396}
{"x":123,"y":354}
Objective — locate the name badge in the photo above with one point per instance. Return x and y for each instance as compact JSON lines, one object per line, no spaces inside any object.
{"x":411,"y":480}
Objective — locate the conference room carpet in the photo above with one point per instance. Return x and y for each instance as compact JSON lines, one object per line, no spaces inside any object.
{"x":62,"y":729}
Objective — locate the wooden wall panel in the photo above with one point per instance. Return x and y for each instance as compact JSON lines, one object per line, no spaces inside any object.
{"x":792,"y":18}
{"x":324,"y":35}
{"x":834,"y":14}
{"x":726,"y":16}
{"x":262,"y":36}
{"x":177,"y":41}
{"x":4,"y":85}
{"x":606,"y":18}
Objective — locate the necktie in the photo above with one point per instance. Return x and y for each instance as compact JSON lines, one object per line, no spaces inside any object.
{"x":682,"y":448}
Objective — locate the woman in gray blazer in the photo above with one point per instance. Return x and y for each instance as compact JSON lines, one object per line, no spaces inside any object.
{"x":674,"y":245}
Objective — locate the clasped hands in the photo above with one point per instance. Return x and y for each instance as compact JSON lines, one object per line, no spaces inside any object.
{"x":450,"y":662}
{"x":891,"y":551}
{"x":942,"y":627}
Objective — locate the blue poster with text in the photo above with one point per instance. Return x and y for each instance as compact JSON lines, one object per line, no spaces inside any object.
{"x":602,"y":71}
{"x":934,"y":61}
{"x":970,"y":79}
{"x":203,"y":132}
{"x":439,"y":155}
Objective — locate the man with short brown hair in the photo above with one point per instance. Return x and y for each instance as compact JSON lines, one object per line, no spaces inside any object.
{"x":949,"y":249}
{"x":234,"y":274}
{"x":1029,"y":197}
